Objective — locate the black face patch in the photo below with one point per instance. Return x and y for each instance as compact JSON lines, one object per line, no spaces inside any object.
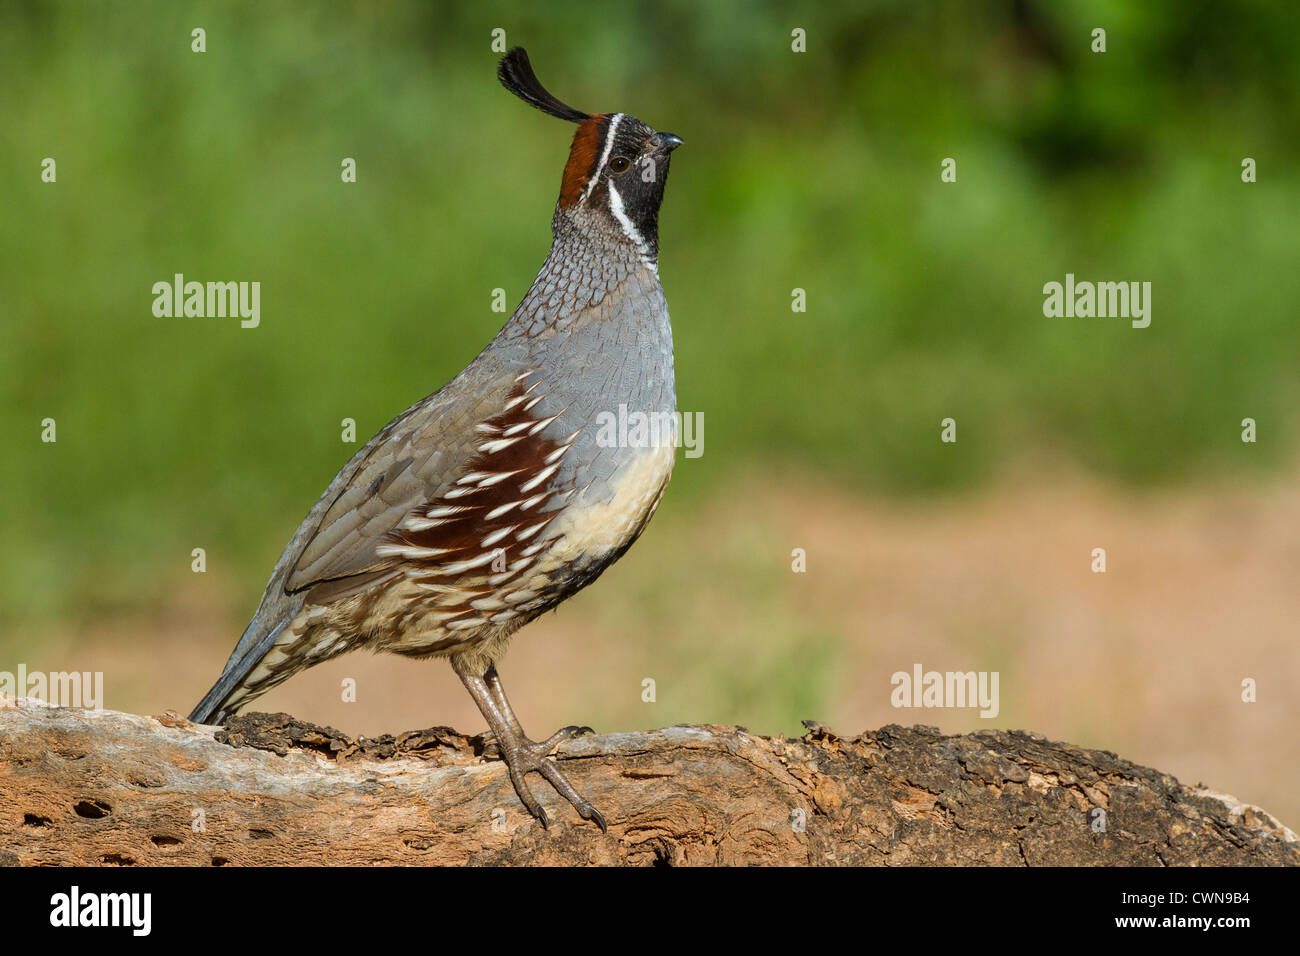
{"x":632,"y":176}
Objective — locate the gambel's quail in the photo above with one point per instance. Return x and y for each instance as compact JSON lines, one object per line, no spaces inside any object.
{"x":500,"y":495}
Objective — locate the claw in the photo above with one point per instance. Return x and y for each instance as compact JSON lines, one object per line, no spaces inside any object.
{"x":521,"y":754}
{"x":560,"y":736}
{"x":525,"y":755}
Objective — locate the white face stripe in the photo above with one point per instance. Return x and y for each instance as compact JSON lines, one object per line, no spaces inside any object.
{"x":629,"y":229}
{"x":609,"y":144}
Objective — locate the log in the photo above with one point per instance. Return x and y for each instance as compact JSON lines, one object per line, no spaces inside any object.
{"x":104,"y":788}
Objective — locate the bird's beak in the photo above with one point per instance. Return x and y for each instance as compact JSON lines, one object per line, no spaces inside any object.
{"x":665,"y":142}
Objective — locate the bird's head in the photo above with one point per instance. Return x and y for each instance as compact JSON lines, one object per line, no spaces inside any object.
{"x":617,"y":168}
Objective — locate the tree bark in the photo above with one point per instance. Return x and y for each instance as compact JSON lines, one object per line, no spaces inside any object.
{"x":105,"y":788}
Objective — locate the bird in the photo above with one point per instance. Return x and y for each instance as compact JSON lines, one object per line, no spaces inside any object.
{"x":500,"y":495}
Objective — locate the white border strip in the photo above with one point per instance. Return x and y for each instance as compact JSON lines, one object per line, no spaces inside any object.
{"x":609,"y":144}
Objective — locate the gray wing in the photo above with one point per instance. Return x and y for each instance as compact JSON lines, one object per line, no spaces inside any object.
{"x":412,"y":460}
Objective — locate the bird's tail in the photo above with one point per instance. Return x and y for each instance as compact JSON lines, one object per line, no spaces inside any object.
{"x":233,"y":689}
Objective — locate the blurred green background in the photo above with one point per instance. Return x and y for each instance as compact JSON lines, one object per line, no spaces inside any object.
{"x":816,"y":170}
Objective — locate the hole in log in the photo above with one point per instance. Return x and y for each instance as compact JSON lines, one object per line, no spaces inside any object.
{"x":116,"y":859}
{"x":164,"y":841}
{"x":92,"y":809}
{"x":219,"y":861}
{"x":261,"y":834}
{"x":32,"y":820}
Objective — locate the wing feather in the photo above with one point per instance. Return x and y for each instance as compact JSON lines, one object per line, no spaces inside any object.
{"x":413,"y":459}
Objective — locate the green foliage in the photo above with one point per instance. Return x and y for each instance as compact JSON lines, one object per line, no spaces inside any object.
{"x":817,"y":170}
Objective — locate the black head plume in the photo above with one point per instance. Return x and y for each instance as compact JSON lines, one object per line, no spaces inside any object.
{"x":517,"y":76}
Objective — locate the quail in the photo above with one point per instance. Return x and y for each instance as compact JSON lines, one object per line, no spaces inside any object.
{"x":498,"y":496}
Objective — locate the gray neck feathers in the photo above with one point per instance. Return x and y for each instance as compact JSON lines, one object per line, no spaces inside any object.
{"x":587,"y":269}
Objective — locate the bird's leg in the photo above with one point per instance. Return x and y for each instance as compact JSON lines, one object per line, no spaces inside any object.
{"x":493,"y":680}
{"x":521,"y":754}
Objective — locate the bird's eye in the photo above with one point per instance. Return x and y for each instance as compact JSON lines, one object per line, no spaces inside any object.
{"x":619,"y":163}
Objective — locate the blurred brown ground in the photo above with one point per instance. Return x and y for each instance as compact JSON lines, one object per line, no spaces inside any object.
{"x":1146,"y":660}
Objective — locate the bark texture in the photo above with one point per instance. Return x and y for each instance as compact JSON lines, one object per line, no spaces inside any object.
{"x":105,"y":788}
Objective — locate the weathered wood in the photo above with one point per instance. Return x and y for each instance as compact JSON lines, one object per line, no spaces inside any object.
{"x":82,"y":787}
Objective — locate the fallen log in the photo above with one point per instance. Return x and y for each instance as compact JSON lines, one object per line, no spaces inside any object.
{"x":104,"y":788}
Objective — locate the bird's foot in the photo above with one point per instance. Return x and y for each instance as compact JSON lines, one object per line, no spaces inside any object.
{"x":522,"y":755}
